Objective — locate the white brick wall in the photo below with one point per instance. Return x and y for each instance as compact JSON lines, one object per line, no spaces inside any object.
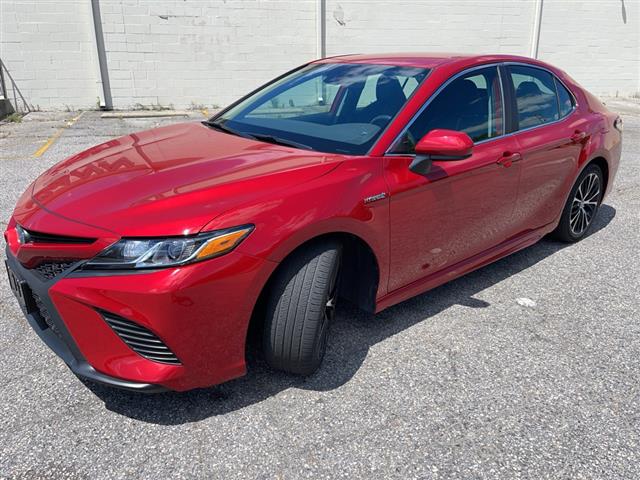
{"x":48,"y":48}
{"x":204,"y":52}
{"x":440,"y":26}
{"x":596,"y":41}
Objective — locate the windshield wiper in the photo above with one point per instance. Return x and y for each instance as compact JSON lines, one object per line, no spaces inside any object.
{"x":223,"y":128}
{"x":257,"y":136}
{"x":280,"y":141}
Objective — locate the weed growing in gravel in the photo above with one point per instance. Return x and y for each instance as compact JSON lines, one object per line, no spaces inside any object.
{"x":14,"y":118}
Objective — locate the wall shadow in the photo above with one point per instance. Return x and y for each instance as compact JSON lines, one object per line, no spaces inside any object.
{"x":352,"y":334}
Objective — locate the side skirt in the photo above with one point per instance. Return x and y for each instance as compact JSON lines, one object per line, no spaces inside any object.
{"x":463,"y":267}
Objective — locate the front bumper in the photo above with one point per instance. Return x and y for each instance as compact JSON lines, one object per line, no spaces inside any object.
{"x":201,"y":312}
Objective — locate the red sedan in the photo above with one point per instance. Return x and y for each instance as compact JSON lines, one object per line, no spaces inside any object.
{"x":143,"y":261}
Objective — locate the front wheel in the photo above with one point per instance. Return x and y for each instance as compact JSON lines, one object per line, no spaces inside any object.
{"x":300,"y":308}
{"x":582,"y":205}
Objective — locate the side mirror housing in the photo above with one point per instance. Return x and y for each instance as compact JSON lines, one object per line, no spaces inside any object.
{"x":440,"y":144}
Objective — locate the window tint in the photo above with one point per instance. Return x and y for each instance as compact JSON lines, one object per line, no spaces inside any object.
{"x":471,"y":103}
{"x":535,"y":96}
{"x":338,"y":108}
{"x":564,"y":99}
{"x":303,"y":99}
{"x":368,"y":94}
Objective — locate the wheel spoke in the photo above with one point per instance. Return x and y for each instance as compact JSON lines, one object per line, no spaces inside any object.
{"x":574,"y":220}
{"x":589,"y":211}
{"x":591,"y":182}
{"x":591,"y":197}
{"x":579,"y":224}
{"x":575,"y":214}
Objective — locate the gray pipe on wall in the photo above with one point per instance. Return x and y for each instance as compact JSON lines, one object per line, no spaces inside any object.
{"x":102,"y":56}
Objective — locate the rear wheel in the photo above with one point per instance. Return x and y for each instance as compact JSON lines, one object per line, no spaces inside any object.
{"x":300,"y":309}
{"x":582,"y":205}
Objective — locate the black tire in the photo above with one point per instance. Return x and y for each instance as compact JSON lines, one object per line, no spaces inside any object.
{"x":300,"y":308}
{"x":577,"y":215}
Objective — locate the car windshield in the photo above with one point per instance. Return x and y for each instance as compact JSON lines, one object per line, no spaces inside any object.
{"x":327,"y":107}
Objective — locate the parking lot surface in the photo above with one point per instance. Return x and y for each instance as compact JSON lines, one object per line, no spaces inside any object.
{"x":527,"y":368}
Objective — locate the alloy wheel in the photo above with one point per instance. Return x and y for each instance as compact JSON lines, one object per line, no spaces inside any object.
{"x":584,"y":204}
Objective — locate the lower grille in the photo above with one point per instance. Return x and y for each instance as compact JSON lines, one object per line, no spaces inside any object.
{"x":49,"y":270}
{"x":44,"y":314}
{"x":140,"y":340}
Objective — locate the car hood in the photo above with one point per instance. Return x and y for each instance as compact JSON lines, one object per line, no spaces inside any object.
{"x":169,"y":181}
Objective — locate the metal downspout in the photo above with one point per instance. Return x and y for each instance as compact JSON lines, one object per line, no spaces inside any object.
{"x":321,"y":50}
{"x":102,"y":56}
{"x":535,"y":36}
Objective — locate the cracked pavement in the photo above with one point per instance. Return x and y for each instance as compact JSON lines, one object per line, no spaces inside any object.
{"x":527,"y":368}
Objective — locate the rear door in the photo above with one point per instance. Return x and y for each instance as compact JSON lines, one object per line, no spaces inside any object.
{"x":550,"y":139}
{"x":461,"y":207}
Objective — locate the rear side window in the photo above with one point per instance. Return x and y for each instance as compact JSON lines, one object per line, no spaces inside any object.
{"x":565,"y":100}
{"x":536,"y":99}
{"x":471,"y":103}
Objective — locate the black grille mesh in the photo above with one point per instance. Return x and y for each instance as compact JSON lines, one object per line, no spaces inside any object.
{"x":49,"y":270}
{"x":44,"y":314}
{"x":140,"y":340}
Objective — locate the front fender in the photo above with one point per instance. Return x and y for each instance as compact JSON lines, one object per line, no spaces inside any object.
{"x":332,"y":203}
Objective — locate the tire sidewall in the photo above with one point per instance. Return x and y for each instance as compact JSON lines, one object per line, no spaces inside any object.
{"x":289,"y":269}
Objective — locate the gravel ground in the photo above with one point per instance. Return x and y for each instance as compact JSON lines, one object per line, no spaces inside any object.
{"x":528,"y":368}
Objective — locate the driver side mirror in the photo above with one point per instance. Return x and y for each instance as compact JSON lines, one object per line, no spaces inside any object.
{"x":440,"y":144}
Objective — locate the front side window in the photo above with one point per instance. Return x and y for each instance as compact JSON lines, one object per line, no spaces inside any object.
{"x":472,"y":103}
{"x":535,"y":92}
{"x":331,"y":107}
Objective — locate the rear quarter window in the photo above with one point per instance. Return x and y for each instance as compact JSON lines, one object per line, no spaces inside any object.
{"x":565,"y":100}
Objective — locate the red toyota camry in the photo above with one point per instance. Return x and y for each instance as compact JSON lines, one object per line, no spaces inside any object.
{"x":143,"y":261}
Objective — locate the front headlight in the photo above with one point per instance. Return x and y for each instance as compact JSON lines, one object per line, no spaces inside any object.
{"x":136,"y":253}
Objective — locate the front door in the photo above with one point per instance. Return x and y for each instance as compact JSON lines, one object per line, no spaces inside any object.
{"x":462,"y":207}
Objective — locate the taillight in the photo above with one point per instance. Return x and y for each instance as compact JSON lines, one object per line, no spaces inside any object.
{"x":617,"y":124}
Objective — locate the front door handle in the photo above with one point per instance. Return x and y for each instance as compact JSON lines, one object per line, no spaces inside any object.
{"x":508,"y":158}
{"x":578,"y":136}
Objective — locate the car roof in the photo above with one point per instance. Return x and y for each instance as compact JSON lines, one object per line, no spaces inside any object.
{"x":424,"y":59}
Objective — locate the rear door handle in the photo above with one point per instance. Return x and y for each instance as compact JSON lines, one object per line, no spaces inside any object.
{"x":578,"y":136}
{"x":508,"y":158}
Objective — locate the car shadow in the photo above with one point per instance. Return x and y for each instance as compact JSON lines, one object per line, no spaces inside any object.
{"x":353,"y":333}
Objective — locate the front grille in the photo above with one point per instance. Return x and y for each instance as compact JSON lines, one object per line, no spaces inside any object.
{"x":29,"y":236}
{"x":49,"y":270}
{"x":140,"y":340}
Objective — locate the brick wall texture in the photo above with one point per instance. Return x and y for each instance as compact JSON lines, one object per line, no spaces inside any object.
{"x":203,"y":53}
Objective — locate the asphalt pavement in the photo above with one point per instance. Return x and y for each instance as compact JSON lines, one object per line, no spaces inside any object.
{"x":527,"y":368}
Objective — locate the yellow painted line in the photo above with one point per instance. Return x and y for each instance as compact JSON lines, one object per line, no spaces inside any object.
{"x":52,"y":139}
